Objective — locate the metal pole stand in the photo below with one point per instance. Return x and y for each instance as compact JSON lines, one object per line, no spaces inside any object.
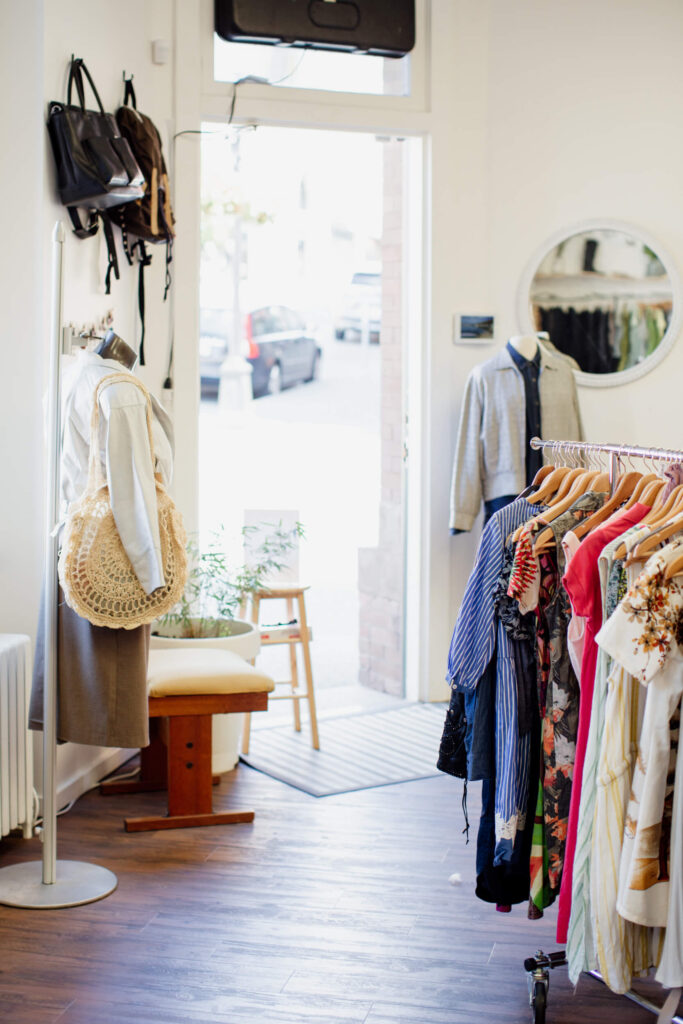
{"x":53,"y":884}
{"x":76,"y":883}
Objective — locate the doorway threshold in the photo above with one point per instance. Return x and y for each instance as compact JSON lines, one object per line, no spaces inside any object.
{"x":331,"y":702}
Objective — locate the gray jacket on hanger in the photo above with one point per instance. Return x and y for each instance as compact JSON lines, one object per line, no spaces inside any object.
{"x":490,"y":452}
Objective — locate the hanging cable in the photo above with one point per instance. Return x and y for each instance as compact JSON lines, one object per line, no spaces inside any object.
{"x":254,"y":80}
{"x":38,"y":822}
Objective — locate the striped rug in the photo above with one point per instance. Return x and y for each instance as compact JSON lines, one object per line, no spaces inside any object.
{"x":356,"y":752}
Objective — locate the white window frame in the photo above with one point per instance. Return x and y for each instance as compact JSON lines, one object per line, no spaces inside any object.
{"x":217,"y":96}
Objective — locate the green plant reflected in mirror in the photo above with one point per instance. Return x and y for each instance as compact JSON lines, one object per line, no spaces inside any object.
{"x":608,"y":297}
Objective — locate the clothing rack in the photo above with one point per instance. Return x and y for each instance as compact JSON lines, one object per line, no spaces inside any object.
{"x":616,"y":452}
{"x":546,"y":298}
{"x":539,"y":966}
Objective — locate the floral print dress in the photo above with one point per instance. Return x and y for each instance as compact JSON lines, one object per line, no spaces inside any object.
{"x":580,"y":937}
{"x":558,"y":701}
{"x":560,"y":719}
{"x":644,"y":635}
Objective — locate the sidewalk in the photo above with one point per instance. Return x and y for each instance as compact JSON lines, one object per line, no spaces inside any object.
{"x":314,"y":448}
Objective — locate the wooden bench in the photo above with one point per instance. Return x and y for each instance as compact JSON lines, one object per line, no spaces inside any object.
{"x":186,"y":688}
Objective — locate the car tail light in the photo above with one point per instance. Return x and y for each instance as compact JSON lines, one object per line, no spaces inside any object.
{"x":249,"y":347}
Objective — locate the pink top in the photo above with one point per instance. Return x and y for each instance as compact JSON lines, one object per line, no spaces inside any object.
{"x":576,"y":632}
{"x":582,"y":583}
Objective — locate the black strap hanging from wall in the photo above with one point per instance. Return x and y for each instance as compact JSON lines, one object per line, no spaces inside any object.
{"x":144,"y":260}
{"x":168,"y":383}
{"x":94,"y":218}
{"x":79,"y":230}
{"x":129,"y":92}
{"x":113,"y":264}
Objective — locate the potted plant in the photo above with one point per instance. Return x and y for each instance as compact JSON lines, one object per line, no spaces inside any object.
{"x":215,"y":594}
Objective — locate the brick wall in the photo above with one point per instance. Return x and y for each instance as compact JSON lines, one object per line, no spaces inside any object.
{"x":380,"y":569}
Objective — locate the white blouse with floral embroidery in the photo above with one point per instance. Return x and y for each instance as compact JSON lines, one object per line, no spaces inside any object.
{"x":643,"y":635}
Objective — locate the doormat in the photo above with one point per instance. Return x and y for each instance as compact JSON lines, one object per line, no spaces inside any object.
{"x":356,"y":752}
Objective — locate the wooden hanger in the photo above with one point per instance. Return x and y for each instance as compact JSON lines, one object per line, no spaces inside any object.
{"x":649,"y":478}
{"x":661,"y":510}
{"x":646,"y":492}
{"x":675,"y":567}
{"x":650,"y":543}
{"x":625,"y":488}
{"x":577,"y":480}
{"x":590,"y":480}
{"x":601,"y":483}
{"x":547,"y":490}
{"x":542,"y":473}
{"x":567,"y":485}
{"x":651,"y":494}
{"x":673,"y":504}
{"x":550,"y":485}
{"x":575,"y":483}
{"x":559,"y":507}
{"x":665,"y":520}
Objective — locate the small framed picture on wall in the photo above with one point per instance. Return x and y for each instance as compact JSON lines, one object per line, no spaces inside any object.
{"x":473,"y":328}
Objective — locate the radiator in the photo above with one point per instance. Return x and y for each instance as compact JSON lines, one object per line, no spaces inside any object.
{"x":16,"y":748}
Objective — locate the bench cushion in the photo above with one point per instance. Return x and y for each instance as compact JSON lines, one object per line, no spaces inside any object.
{"x":173,"y":672}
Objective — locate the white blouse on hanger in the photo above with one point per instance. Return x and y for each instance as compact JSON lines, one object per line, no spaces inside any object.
{"x":124,"y":453}
{"x":643,"y":636}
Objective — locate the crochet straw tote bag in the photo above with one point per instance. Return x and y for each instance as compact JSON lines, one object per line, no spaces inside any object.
{"x":95,"y":572}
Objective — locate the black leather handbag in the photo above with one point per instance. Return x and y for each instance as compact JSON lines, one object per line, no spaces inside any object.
{"x":96,"y":168}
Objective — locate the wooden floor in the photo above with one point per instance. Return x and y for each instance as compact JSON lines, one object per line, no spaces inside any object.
{"x":323,"y":911}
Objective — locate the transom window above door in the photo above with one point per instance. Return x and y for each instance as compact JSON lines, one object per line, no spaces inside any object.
{"x":311,"y":69}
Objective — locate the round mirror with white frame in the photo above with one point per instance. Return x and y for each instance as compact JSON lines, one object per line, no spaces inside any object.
{"x":608,"y":296}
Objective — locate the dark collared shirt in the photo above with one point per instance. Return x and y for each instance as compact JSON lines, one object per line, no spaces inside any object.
{"x":530,"y":370}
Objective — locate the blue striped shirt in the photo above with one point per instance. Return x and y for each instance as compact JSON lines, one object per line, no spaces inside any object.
{"x":477,"y":634}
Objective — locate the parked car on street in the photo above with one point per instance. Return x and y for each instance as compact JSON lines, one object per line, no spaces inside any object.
{"x":214,"y":332}
{"x":362,"y":308}
{"x":276,"y":344}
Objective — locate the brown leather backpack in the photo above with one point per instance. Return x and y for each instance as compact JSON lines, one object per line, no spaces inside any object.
{"x":149,"y":219}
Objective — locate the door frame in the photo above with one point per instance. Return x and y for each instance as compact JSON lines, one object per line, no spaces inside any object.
{"x":403,"y":117}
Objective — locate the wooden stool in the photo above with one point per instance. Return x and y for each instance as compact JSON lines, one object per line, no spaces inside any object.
{"x":185,"y":689}
{"x":301,"y":635}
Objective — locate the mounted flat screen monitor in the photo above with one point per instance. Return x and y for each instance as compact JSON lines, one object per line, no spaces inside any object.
{"x":385,"y":28}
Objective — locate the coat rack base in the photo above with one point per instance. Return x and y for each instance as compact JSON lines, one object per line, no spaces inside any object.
{"x":76,"y":883}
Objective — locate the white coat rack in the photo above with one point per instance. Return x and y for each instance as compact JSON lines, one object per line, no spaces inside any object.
{"x":51,"y":883}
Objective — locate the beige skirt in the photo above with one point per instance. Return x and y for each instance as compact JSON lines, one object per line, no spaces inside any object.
{"x":101,"y":682}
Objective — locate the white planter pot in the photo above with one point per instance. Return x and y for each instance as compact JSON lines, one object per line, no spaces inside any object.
{"x":226,"y":729}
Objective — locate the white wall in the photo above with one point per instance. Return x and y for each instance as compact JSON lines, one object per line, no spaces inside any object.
{"x":21,"y":312}
{"x":544,"y":115}
{"x":36,"y":41}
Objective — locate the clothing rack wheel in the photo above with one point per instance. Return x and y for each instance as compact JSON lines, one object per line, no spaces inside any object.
{"x":538,"y":969}
{"x":539,"y":1000}
{"x":538,"y":977}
